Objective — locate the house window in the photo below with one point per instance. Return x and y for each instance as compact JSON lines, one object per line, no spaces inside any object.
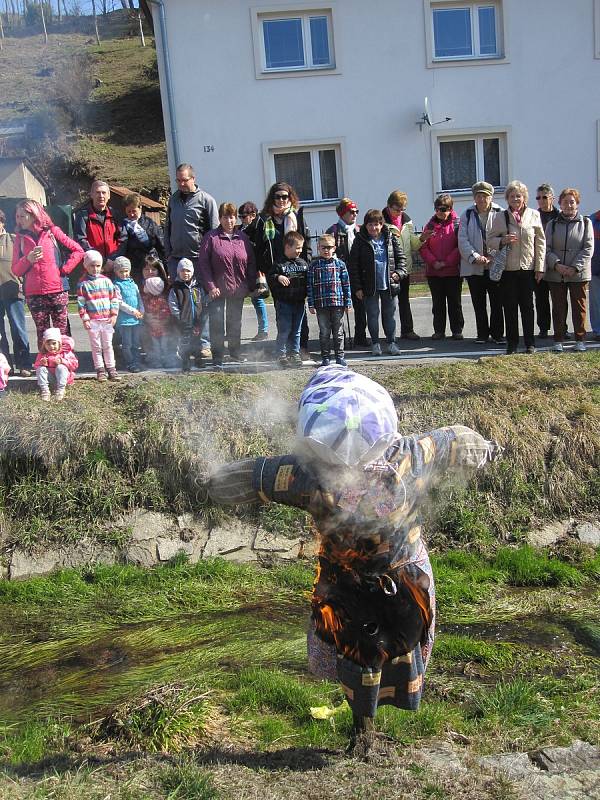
{"x":463,"y":160}
{"x":297,"y":41}
{"x":314,"y":172}
{"x":466,"y":30}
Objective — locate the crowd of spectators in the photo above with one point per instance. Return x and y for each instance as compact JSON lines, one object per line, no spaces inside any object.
{"x":174,"y":295}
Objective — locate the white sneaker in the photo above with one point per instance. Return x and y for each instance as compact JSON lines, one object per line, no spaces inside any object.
{"x":557,"y":347}
{"x":580,"y":347}
{"x":376,"y":349}
{"x":393,"y":349}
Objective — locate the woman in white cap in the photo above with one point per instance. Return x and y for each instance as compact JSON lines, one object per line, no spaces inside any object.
{"x":373,"y":603}
{"x":475,"y":224}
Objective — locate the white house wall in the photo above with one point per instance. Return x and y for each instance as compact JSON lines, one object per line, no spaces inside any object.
{"x":544,"y":95}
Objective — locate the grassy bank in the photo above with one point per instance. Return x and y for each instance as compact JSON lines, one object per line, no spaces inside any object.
{"x":68,"y":470}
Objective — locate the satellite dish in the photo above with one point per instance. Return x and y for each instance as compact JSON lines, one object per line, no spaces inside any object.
{"x":428,"y":114}
{"x":428,"y":118}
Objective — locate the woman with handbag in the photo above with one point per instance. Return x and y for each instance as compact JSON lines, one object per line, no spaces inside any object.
{"x":442,"y":259}
{"x":520,"y":231}
{"x":475,"y":260}
{"x":377,"y":265}
{"x":227,"y":270}
{"x":570,"y":245}
{"x":12,"y":307}
{"x":280,"y":214}
{"x":36,"y":259}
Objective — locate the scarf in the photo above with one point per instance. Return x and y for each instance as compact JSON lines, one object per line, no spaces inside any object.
{"x":349,"y":229}
{"x":517,"y":215}
{"x":290,"y":223}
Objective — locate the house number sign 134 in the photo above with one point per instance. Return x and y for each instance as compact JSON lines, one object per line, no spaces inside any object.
{"x":209,"y":148}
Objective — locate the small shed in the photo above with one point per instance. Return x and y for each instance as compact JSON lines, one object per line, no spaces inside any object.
{"x":151,"y":208}
{"x":19,"y":179}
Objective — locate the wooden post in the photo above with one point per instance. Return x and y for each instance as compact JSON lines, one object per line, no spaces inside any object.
{"x":43,"y":21}
{"x":141,"y":30}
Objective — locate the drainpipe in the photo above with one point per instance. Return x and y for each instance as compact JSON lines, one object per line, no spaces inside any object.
{"x":168,"y":76}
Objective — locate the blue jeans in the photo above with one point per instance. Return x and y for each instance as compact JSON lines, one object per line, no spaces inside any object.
{"x":388,"y":316}
{"x":289,"y":324}
{"x":130,"y":344}
{"x":261,"y":314}
{"x":595,"y":304}
{"x":14,"y":309}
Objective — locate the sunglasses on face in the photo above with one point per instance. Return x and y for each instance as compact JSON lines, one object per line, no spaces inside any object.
{"x":282,"y":196}
{"x":442,"y":208}
{"x":543,"y":196}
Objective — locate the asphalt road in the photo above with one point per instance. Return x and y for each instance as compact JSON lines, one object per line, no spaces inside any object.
{"x":261,"y":355}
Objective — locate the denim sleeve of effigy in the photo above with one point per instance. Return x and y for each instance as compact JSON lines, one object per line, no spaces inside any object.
{"x":283,"y":480}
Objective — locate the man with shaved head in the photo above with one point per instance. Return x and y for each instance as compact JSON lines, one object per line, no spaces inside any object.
{"x":95,"y":226}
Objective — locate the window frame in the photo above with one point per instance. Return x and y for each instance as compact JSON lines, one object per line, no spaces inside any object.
{"x":314,"y":146}
{"x":501,"y":55}
{"x":303,"y":9}
{"x":501,"y":132}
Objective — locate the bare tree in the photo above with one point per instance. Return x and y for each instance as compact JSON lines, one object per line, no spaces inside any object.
{"x":95,"y":21}
{"x":43,"y":16}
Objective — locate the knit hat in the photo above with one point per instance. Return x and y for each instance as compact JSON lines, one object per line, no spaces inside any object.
{"x":154,"y":286}
{"x":92,"y":257}
{"x":345,"y":206}
{"x":483,"y":187}
{"x":185,"y":263}
{"x":52,"y":334}
{"x":122,"y":262}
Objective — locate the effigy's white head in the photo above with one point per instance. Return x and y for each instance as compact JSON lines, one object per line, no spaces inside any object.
{"x":344,"y":419}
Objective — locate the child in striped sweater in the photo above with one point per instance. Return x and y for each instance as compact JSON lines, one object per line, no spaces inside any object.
{"x":98,"y":302}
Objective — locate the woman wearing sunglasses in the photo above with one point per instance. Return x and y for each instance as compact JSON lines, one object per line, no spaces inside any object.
{"x":280,"y":214}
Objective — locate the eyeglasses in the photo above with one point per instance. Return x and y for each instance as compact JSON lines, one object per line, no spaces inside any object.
{"x":543,"y":196}
{"x":442,"y":208}
{"x":327,"y":246}
{"x":352,"y":211}
{"x":281,"y":196}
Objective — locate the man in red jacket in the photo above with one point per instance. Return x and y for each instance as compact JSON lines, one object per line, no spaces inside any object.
{"x":95,"y":226}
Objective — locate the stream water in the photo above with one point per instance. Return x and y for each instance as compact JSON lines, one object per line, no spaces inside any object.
{"x":47,"y":671}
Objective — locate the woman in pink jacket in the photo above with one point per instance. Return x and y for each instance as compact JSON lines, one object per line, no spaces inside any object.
{"x":442,"y":259}
{"x":36,"y":260}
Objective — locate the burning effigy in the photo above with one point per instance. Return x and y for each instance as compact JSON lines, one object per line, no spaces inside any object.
{"x":364,"y":484}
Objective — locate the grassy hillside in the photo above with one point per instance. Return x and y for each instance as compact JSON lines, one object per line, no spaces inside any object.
{"x":96,"y":110}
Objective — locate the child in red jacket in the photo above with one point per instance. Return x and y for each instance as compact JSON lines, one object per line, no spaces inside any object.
{"x":442,"y":258}
{"x":56,"y":363}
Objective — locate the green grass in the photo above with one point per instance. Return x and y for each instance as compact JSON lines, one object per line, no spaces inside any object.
{"x":528,"y":567}
{"x":185,"y":781}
